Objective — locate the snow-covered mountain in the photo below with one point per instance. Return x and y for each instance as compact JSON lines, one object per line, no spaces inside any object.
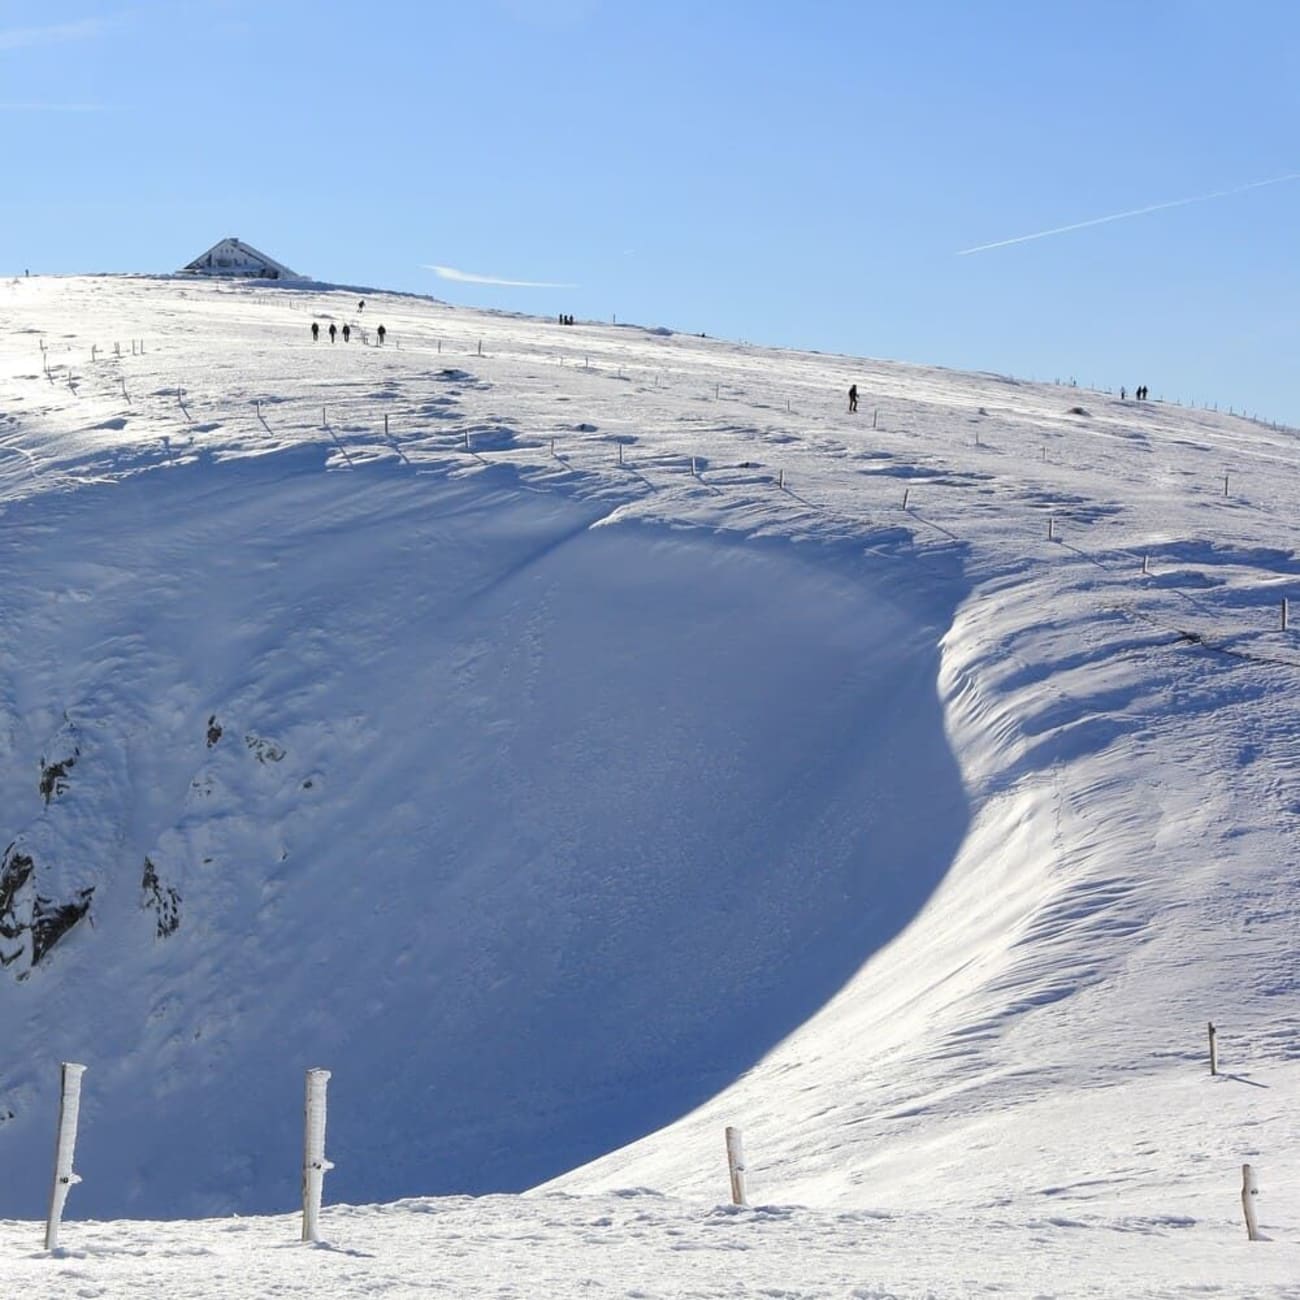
{"x":582,"y":738}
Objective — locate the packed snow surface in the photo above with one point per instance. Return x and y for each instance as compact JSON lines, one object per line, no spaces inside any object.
{"x":581,"y":739}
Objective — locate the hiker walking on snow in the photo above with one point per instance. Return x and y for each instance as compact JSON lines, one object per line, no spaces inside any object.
{"x":347,"y":333}
{"x":853,"y":398}
{"x":315,"y":331}
{"x":381,"y":331}
{"x":333,"y":332}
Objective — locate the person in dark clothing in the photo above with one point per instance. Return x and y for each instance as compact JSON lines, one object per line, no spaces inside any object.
{"x":361,"y":306}
{"x":347,"y":333}
{"x":853,"y":398}
{"x":315,"y":331}
{"x":333,"y":332}
{"x":381,"y":331}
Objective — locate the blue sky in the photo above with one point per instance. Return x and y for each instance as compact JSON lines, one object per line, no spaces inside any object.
{"x":802,"y":174}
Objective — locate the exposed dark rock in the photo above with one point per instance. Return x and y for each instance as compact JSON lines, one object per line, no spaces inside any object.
{"x":54,"y":776}
{"x":164,"y":900}
{"x":51,"y":921}
{"x":214,"y":731}
{"x":15,"y":871}
{"x":267,"y":751}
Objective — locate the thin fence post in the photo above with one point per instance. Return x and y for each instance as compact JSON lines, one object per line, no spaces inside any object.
{"x":1225,"y":485}
{"x":64,"y":1178}
{"x":620,"y":453}
{"x":1051,"y":528}
{"x":736,"y":1166}
{"x":1145,"y":569}
{"x":1214,"y":1049}
{"x":324,"y":423}
{"x":875,"y":412}
{"x":1249,"y":1195}
{"x":1284,"y":613}
{"x":480,"y":347}
{"x":906,"y":493}
{"x":692,"y":466}
{"x":552,"y":446}
{"x":385,"y":424}
{"x":780,"y":478}
{"x":314,"y":1163}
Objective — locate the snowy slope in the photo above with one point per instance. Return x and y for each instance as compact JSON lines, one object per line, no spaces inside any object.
{"x":605,"y":751}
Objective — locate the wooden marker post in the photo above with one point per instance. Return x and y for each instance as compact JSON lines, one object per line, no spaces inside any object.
{"x":314,"y":1163}
{"x":1214,"y":1049}
{"x":64,"y":1178}
{"x":1249,"y":1196}
{"x":736,"y":1167}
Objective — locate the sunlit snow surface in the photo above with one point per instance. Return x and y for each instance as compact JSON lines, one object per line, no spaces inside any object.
{"x":562,"y":800}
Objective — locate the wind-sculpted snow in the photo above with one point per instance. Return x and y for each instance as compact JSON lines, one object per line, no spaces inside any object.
{"x":539,"y":834}
{"x":580,"y":739}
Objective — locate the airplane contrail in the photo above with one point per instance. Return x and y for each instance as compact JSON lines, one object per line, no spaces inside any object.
{"x":1135,"y":212}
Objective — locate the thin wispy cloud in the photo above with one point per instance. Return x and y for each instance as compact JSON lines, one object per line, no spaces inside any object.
{"x":17,"y":38}
{"x":1123,"y":216}
{"x":470,"y":277}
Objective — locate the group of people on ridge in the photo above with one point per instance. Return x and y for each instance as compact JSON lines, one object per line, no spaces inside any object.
{"x":347,"y":332}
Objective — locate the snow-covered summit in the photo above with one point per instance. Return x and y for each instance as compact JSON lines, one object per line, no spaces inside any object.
{"x":582,"y":738}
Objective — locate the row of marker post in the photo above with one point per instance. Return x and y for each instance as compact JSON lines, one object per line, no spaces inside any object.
{"x":315,"y":1165}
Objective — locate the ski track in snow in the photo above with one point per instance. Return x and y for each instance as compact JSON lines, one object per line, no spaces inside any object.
{"x":1016,"y":764}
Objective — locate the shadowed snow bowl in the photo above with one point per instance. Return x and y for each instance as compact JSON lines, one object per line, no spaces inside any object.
{"x":535,"y":834}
